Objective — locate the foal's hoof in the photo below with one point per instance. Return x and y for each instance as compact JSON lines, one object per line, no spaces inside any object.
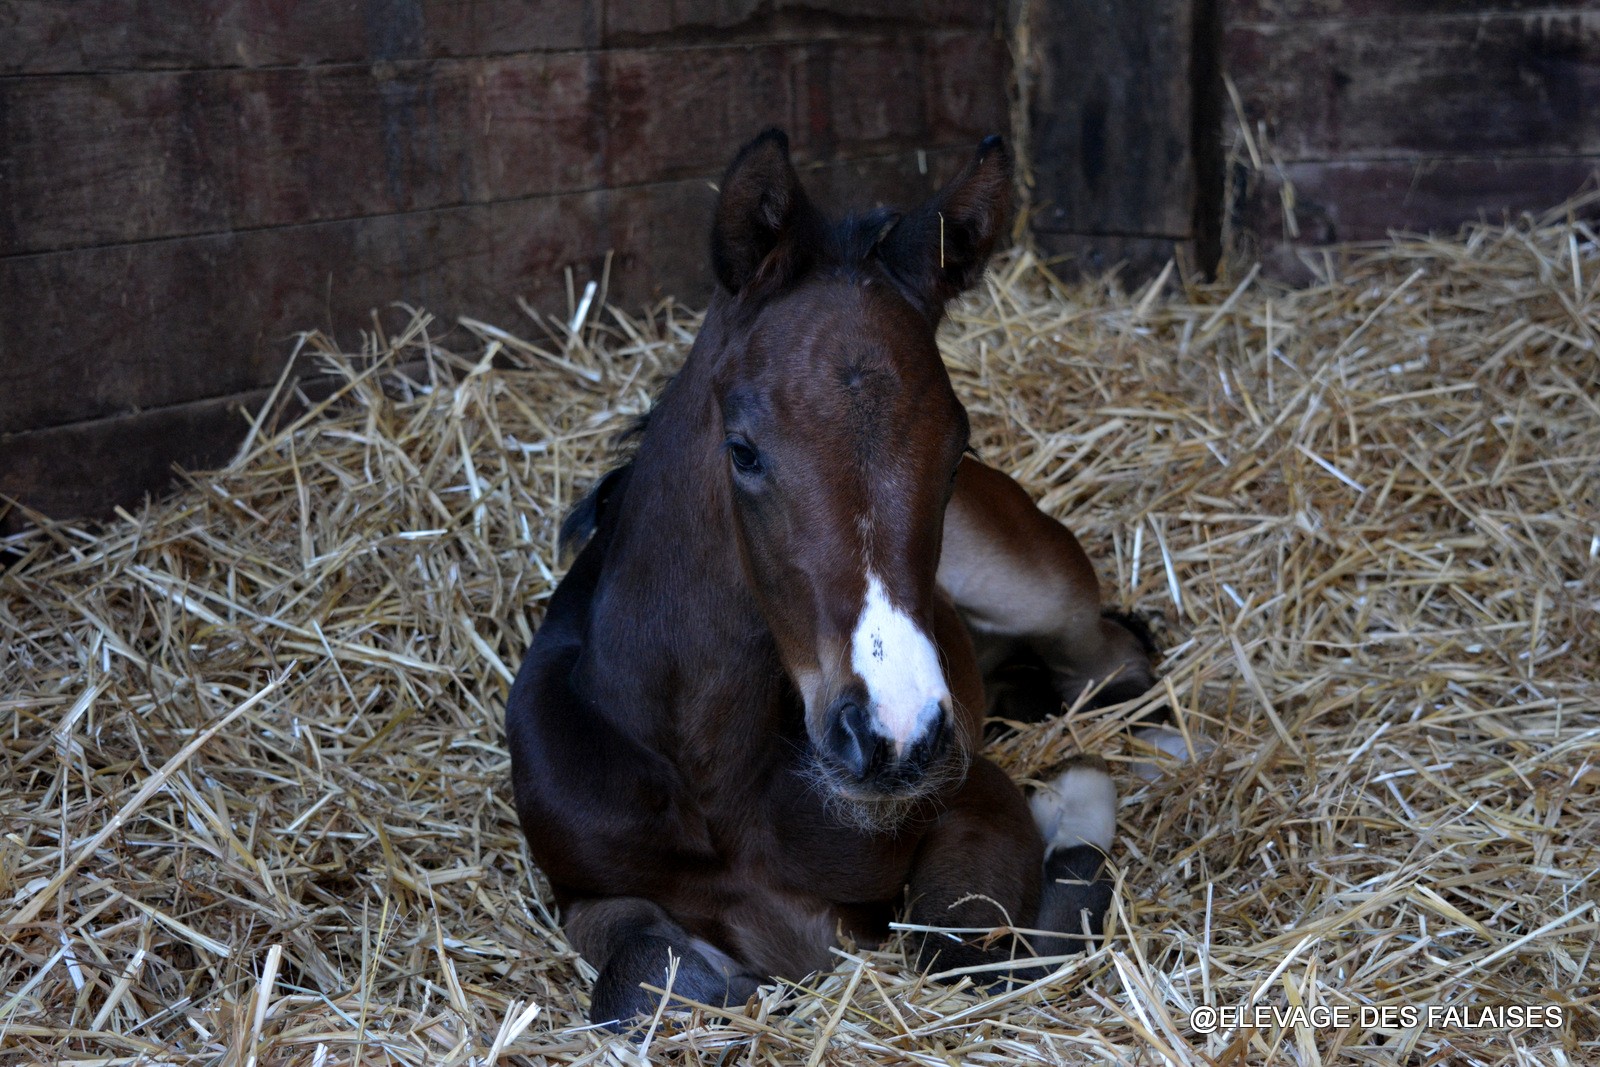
{"x":621,"y":1003}
{"x":1020,"y":691}
{"x":1139,"y":624}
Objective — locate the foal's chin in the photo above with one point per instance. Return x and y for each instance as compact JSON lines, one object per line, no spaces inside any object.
{"x":891,"y":803}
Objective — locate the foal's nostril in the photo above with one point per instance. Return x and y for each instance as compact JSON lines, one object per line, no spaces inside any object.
{"x":851,"y":740}
{"x":930,"y":747}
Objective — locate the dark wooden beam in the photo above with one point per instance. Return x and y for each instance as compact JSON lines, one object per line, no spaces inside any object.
{"x":1119,"y":105}
{"x":88,"y":469}
{"x":1241,"y":12}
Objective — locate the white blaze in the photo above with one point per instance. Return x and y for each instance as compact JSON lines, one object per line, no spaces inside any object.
{"x":898,"y":663}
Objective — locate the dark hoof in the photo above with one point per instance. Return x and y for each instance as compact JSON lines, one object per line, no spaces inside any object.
{"x":620,"y":1002}
{"x":1117,"y":691}
{"x":1021,"y":694}
{"x":1137,"y":623}
{"x":1077,"y":896}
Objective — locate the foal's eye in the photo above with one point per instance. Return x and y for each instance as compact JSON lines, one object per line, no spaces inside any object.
{"x":746,"y":460}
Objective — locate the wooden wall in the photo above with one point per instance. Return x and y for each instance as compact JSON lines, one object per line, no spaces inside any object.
{"x":1406,"y":115}
{"x":1364,"y":117}
{"x":184,"y":186}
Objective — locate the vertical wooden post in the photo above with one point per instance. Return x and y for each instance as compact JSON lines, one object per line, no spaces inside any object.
{"x":1124,"y":124}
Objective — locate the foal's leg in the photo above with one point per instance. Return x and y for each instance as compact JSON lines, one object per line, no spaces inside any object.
{"x":990,"y":862}
{"x":1031,"y":599}
{"x":1021,"y":580}
{"x":1077,"y":814}
{"x":630,"y":940}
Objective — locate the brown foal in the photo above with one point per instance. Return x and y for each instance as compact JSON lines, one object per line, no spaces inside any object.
{"x":752,"y":716}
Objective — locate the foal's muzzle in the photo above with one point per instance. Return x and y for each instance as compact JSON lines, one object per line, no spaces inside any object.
{"x":866,"y":759}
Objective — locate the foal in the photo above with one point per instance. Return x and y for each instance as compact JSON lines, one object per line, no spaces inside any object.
{"x":751,"y":718}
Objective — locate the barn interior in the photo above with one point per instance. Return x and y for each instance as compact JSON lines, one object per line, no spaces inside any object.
{"x":313,"y":324}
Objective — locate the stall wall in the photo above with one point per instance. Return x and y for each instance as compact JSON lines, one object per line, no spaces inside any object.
{"x":1271,"y":128}
{"x":184,"y":187}
{"x":1368,"y":117}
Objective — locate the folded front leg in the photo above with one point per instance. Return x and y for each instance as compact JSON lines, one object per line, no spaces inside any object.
{"x":986,"y":865}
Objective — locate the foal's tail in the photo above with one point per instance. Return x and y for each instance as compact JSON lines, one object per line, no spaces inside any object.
{"x":584,"y":518}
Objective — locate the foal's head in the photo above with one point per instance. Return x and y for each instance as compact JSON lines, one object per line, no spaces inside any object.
{"x":840,"y":437}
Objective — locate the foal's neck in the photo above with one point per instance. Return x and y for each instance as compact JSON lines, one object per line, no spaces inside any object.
{"x":678,"y":653}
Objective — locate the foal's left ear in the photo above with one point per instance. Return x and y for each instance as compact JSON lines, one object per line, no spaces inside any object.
{"x":762,"y":217}
{"x":939,"y":250}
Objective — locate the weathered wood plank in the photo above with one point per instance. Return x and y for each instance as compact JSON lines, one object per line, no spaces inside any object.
{"x":899,"y":181}
{"x":126,"y":157}
{"x":631,"y":20}
{"x":101,"y":331}
{"x":104,"y":330}
{"x":61,"y":36}
{"x":98,"y":159}
{"x":866,"y":93}
{"x":966,"y":78}
{"x":1241,"y":12}
{"x":630,"y":23}
{"x":89,"y":36}
{"x":1366,"y":201}
{"x":103,"y":159}
{"x":980,"y":14}
{"x":659,"y":124}
{"x":87,"y":469}
{"x":1496,"y":86}
{"x":1111,"y":111}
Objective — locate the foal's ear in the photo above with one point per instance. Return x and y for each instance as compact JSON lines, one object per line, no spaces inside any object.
{"x":939,"y":250}
{"x":761,"y":212}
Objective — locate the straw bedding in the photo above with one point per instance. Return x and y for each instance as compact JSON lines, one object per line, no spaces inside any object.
{"x":255,"y":799}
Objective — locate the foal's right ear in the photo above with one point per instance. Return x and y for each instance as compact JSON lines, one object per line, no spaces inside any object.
{"x":761,"y":212}
{"x":939,"y":251}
